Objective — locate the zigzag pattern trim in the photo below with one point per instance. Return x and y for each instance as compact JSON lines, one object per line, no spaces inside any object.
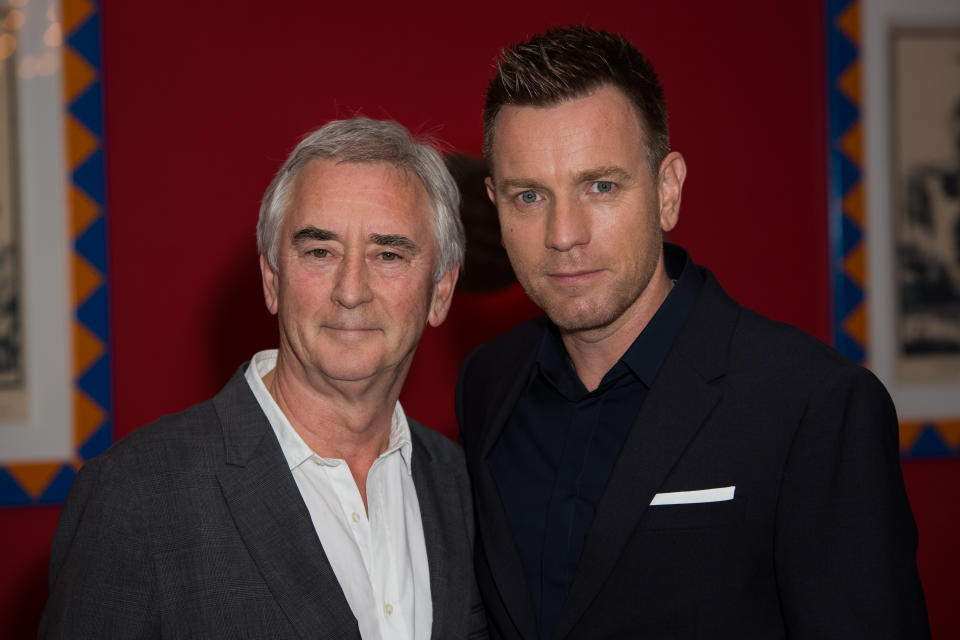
{"x":918,"y":438}
{"x":49,"y":481}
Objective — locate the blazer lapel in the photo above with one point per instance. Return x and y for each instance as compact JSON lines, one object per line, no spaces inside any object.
{"x":274,"y":522}
{"x":437,"y":529}
{"x":494,"y":534}
{"x":679,"y":401}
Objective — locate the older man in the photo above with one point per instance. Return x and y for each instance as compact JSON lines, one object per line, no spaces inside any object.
{"x":300,"y":502}
{"x":653,"y":460}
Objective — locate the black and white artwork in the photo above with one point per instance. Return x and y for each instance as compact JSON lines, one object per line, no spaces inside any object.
{"x":926,"y":182}
{"x":12,"y":379}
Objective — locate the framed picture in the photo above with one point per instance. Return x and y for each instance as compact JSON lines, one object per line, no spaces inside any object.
{"x":894,"y":89}
{"x":13,"y":394}
{"x":54,"y":341}
{"x":925,"y":119}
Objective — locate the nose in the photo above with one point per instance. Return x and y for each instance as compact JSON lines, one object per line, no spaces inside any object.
{"x":568,"y":225}
{"x":352,"y":286}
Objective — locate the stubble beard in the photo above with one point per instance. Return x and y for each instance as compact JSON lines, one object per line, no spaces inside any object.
{"x":594,"y":309}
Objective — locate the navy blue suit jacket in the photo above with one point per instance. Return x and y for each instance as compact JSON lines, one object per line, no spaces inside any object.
{"x":818,"y":542}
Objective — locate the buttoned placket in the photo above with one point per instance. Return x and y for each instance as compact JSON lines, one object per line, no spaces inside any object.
{"x":364,"y":525}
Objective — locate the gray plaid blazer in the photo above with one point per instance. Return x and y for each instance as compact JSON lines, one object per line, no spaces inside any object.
{"x":193,"y":527}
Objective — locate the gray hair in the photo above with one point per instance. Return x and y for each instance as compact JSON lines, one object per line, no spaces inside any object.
{"x":363,"y":140}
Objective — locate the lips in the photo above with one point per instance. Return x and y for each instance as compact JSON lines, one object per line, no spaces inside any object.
{"x":572,"y":278}
{"x":350,"y":332}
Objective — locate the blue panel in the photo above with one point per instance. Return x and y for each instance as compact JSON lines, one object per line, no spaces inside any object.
{"x":99,"y":441}
{"x":849,"y":173}
{"x":93,"y":313}
{"x":843,"y":114}
{"x":850,"y":294}
{"x":92,"y":244}
{"x":10,"y":491}
{"x":89,"y":177}
{"x":96,"y":382}
{"x":88,"y":108}
{"x":85,"y":40}
{"x":60,"y":487}
{"x":929,"y":444}
{"x":850,"y":236}
{"x":842,"y":52}
{"x":849,"y":347}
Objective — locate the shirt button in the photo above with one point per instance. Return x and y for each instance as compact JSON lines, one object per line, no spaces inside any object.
{"x":387,"y":609}
{"x":355,"y":516}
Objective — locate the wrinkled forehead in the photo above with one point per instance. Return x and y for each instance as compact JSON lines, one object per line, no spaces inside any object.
{"x":368,"y":190}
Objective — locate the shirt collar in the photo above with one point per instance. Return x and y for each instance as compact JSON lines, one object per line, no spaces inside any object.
{"x":295,"y":450}
{"x":648,"y":351}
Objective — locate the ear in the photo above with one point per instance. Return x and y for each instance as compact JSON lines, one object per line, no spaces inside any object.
{"x":271,"y":284}
{"x":673,"y":171}
{"x":491,"y":192}
{"x":442,"y":297}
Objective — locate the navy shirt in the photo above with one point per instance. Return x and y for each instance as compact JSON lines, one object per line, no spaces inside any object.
{"x":552,"y":461}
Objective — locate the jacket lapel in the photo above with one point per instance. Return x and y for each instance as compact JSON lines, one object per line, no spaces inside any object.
{"x":274,"y":522}
{"x":436,"y":534}
{"x":677,"y":404}
{"x":494,"y":534}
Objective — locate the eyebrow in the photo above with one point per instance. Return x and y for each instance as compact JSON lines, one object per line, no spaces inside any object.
{"x":312,"y":233}
{"x":518,"y":183}
{"x":603,"y":173}
{"x":587,"y":175}
{"x":396,"y":241}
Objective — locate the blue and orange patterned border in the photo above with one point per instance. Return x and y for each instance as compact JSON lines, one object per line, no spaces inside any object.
{"x":49,"y":481}
{"x":918,"y":438}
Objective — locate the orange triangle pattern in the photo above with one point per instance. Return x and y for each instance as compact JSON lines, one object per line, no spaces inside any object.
{"x":852,"y":144}
{"x":849,"y":83}
{"x":854,"y":265}
{"x":853,"y":203}
{"x":86,"y":279}
{"x":83,"y":210}
{"x":75,"y":12}
{"x":909,"y":432}
{"x":950,"y":431}
{"x":80,"y":142}
{"x":855,"y":324}
{"x":34,"y":478}
{"x":77,"y":74}
{"x":87,"y":348}
{"x":88,"y":416}
{"x":848,"y":22}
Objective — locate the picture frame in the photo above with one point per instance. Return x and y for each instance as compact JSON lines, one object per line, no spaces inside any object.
{"x":65,"y":287}
{"x":876,"y":301}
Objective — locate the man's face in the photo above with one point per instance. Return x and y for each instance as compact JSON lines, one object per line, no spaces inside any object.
{"x":581,"y":212}
{"x":353,"y":287}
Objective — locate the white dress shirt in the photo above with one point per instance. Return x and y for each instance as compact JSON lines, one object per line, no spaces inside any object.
{"x":380,"y":560}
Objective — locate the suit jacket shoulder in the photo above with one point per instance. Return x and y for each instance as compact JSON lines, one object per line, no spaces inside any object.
{"x":192,"y":526}
{"x":491,"y":378}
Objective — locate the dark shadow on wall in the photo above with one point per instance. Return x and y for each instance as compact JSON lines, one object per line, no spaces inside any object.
{"x":239,"y":324}
{"x":23,"y":567}
{"x":487,"y":267}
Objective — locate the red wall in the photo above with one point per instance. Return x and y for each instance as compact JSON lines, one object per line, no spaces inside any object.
{"x":203,"y":101}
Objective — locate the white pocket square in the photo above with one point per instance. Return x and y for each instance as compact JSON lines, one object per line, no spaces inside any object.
{"x":720,"y":494}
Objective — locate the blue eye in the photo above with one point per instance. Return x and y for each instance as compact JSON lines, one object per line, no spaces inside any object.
{"x":528,"y":197}
{"x":603,"y":186}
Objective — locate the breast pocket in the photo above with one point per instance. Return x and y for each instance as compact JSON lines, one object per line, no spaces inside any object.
{"x":694,"y":516}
